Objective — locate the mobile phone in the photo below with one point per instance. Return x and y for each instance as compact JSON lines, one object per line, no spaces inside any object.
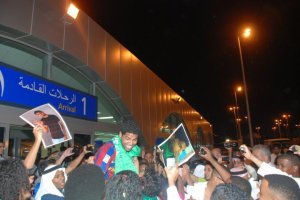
{"x":293,"y":148}
{"x":202,"y":151}
{"x":242,"y":150}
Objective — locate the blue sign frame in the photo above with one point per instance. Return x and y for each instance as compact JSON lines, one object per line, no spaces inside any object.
{"x":27,"y":90}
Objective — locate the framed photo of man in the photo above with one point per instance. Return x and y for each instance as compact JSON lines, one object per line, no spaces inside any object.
{"x":55,"y":130}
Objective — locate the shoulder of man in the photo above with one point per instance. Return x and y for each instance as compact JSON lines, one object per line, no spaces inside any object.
{"x":105,"y":153}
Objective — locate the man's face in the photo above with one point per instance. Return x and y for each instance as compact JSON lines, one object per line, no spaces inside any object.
{"x":129,"y":140}
{"x":276,"y":150}
{"x":59,"y":179}
{"x":285,"y":166}
{"x":142,"y":170}
{"x":265,"y":193}
{"x":216,"y":152}
{"x":149,"y":157}
{"x":40,"y":114}
{"x":1,"y":148}
{"x":207,"y":172}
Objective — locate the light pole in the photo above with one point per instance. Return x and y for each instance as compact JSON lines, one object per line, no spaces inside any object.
{"x":240,"y":137}
{"x":234,"y":109}
{"x":287,"y":117}
{"x":278,"y":123}
{"x":246,"y":33}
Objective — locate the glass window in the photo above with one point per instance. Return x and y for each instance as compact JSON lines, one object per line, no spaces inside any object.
{"x":171,"y":122}
{"x":106,"y":112}
{"x":66,"y":75}
{"x":21,"y":56}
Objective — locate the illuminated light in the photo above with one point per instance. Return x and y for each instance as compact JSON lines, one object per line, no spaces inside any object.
{"x":227,"y":140}
{"x":239,"y":88}
{"x":247,"y":32}
{"x":108,"y":117}
{"x":73,"y":11}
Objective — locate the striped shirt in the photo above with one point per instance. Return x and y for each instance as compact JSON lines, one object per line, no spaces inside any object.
{"x":105,"y":159}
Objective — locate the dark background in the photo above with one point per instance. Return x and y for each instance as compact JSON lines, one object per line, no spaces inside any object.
{"x":192,"y":45}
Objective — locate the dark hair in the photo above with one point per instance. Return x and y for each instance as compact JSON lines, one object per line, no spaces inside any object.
{"x":130,"y":126}
{"x":152,"y":183}
{"x":14,"y":179}
{"x":38,"y":111}
{"x":228,"y":191}
{"x":242,"y":183}
{"x":124,"y":185}
{"x":86,"y":182}
{"x":283,"y":186}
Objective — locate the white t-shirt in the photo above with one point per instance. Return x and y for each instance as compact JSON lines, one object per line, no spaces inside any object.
{"x":196,"y":191}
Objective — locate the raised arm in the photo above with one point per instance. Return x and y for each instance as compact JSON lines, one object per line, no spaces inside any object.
{"x":31,"y":157}
{"x":68,"y":152}
{"x":221,"y":169}
{"x":77,"y":161}
{"x":250,"y":156}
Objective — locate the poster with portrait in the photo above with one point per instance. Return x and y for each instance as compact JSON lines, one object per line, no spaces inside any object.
{"x":177,"y":148}
{"x":55,"y":130}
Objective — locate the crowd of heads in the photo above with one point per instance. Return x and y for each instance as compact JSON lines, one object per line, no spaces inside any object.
{"x":209,"y":175}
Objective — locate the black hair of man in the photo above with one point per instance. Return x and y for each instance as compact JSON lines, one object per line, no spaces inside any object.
{"x":86,"y":182}
{"x":228,"y":191}
{"x":283,"y":187}
{"x":130,"y":126}
{"x":152,"y":183}
{"x":124,"y":185}
{"x":38,"y":111}
{"x":242,"y":183}
{"x":13,"y":179}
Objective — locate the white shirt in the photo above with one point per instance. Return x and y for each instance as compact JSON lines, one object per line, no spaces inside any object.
{"x":172,"y":193}
{"x":266,"y":169}
{"x":196,"y":191}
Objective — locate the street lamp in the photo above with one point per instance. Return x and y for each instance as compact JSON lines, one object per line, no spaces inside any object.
{"x":246,"y":33}
{"x":240,"y":137}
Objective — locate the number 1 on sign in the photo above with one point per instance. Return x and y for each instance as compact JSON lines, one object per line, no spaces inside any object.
{"x":84,"y":105}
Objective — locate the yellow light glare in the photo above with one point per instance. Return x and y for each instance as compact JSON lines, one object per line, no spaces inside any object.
{"x":73,"y":11}
{"x":247,"y":32}
{"x":239,"y":88}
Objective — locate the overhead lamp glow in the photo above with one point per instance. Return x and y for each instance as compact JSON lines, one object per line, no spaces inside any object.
{"x":247,"y":32}
{"x":73,"y":11}
{"x":108,"y":117}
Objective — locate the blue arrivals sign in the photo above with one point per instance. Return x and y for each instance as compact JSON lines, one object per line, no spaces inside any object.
{"x":26,"y":90}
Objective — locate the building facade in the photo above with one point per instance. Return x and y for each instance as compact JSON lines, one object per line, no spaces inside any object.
{"x":39,"y":39}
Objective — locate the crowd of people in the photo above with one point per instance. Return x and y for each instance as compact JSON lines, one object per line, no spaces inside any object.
{"x":121,"y":170}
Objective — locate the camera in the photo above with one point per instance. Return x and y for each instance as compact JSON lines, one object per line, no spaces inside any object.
{"x":230,"y":144}
{"x":202,"y":151}
{"x":293,"y":148}
{"x":242,"y":150}
{"x":76,"y":150}
{"x":90,"y":148}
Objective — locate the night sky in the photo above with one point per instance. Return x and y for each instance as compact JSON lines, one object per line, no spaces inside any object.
{"x":192,"y":45}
